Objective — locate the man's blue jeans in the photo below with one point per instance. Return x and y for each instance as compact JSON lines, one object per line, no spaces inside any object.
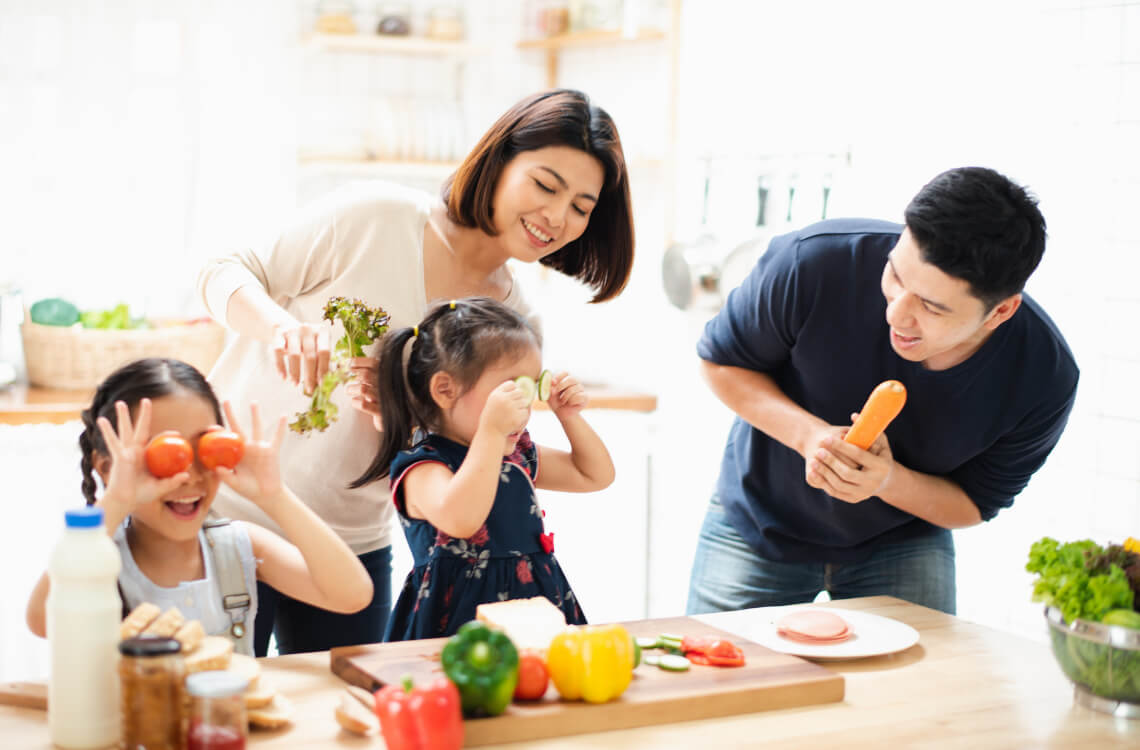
{"x":729,"y":574}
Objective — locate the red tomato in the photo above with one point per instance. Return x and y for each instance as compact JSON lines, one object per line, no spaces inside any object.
{"x":167,"y":454}
{"x":220,"y":448}
{"x":533,"y":677}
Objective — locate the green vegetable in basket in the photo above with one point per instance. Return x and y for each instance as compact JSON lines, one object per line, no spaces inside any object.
{"x":54,"y":311}
{"x":118,"y":318}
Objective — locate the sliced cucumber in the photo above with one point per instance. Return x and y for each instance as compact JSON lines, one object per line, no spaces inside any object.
{"x":544,"y":383}
{"x":647,"y":643}
{"x":526,"y":384}
{"x":673,"y":663}
{"x":652,"y":660}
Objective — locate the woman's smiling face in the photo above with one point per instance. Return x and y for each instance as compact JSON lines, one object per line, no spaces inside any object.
{"x":544,"y":198}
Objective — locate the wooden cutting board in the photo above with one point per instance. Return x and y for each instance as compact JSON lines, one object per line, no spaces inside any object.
{"x":769,"y":680}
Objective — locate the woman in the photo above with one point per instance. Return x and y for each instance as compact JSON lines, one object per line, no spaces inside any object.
{"x":546,"y":183}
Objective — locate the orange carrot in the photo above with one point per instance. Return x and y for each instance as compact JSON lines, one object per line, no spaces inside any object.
{"x":883,"y":405}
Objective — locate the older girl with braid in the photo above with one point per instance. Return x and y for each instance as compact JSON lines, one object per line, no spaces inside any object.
{"x":157,"y":524}
{"x":465,"y":488}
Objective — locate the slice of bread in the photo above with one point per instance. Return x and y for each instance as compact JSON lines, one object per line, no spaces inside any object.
{"x":165,"y":625}
{"x":277,"y":714}
{"x":260,"y":695}
{"x":214,"y":652}
{"x":247,"y":667}
{"x":138,"y":620}
{"x":529,"y":623}
{"x":354,"y":717}
{"x":190,"y":635}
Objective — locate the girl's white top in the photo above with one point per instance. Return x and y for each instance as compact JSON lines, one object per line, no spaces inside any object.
{"x":364,"y":241}
{"x":197,"y":600}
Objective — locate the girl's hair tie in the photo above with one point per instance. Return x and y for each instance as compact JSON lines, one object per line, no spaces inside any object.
{"x":452,"y":305}
{"x":415,"y":331}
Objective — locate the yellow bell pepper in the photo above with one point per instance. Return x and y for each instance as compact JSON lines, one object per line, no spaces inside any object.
{"x":593,"y":663}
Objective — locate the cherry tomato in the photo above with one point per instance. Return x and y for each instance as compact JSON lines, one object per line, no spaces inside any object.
{"x":533,"y":677}
{"x":168,"y":454}
{"x":220,"y":448}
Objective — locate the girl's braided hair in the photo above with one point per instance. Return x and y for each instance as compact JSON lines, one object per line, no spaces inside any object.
{"x":144,"y":378}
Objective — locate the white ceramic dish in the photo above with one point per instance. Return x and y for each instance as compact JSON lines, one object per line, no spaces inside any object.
{"x":873,"y":635}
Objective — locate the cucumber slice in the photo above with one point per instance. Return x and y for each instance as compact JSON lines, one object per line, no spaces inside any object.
{"x":652,"y":660}
{"x":526,"y":383}
{"x":673,"y":663}
{"x":544,"y":381}
{"x":648,"y":643}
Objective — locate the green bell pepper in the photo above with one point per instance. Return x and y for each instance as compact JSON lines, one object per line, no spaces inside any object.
{"x":484,"y":665}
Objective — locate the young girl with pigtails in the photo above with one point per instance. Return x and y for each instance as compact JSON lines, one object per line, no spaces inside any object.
{"x":455,"y":397}
{"x":172,"y":554}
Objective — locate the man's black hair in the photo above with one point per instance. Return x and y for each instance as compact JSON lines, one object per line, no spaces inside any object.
{"x":977,"y":225}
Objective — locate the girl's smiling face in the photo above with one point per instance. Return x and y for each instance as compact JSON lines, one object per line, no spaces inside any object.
{"x":544,"y":198}
{"x":179,"y":515}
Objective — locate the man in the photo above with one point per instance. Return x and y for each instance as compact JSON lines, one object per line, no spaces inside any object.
{"x":828,"y":313}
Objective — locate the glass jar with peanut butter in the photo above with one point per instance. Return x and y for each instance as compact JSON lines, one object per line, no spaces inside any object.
{"x":151,"y":675}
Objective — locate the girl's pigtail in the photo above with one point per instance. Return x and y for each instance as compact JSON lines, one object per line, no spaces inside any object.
{"x":395,"y":406}
{"x":86,"y":449}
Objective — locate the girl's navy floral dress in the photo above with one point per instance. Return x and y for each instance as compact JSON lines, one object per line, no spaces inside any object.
{"x":510,"y":557}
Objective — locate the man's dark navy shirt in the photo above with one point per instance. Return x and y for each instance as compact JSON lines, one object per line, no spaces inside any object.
{"x":812,"y":316}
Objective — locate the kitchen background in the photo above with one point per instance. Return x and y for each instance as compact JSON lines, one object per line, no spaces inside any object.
{"x":139,"y":138}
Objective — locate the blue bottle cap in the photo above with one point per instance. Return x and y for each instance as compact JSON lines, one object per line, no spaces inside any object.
{"x":87,"y":517}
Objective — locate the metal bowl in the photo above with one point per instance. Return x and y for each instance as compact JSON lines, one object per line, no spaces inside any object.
{"x":1102,"y":661}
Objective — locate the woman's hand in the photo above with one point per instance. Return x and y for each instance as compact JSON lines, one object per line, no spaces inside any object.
{"x":507,"y":410}
{"x":567,"y":396}
{"x":362,"y":389}
{"x":301,"y":351}
{"x":258,"y":475}
{"x":129,"y":483}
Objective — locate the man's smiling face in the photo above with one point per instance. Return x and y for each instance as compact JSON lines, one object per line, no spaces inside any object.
{"x":934,"y":318}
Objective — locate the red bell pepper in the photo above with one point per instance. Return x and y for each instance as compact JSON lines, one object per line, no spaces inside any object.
{"x":427,"y":718}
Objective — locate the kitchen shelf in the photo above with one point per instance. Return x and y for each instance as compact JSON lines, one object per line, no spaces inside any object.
{"x":552,"y":45}
{"x":378,"y":44}
{"x":587,"y":38}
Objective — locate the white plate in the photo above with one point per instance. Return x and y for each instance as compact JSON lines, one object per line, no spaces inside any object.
{"x":873,"y":635}
{"x":7,"y":374}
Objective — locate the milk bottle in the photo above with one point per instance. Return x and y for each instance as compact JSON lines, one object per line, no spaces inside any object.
{"x":83,"y":613}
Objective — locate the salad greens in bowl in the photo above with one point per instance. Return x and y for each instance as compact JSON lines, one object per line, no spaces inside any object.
{"x":1092,"y":595}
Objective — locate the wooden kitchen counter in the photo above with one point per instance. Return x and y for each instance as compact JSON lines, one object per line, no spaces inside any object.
{"x":24,"y":404}
{"x":962,"y":686}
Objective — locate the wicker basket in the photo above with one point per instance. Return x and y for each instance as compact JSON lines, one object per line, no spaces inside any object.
{"x":79,"y":358}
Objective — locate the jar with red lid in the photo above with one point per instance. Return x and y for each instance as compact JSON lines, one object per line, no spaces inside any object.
{"x":217,"y":711}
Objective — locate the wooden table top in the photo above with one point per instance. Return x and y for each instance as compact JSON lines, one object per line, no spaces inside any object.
{"x":962,"y":686}
{"x":24,"y":404}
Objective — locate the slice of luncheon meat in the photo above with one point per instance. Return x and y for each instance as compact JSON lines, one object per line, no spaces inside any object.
{"x":813,"y":626}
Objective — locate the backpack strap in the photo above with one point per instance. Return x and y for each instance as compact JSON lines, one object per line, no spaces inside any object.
{"x":236,"y":599}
